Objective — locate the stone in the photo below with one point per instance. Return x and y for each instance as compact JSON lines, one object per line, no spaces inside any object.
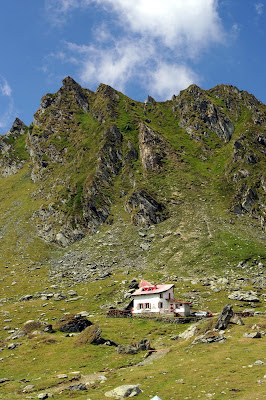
{"x":62,"y":376}
{"x":43,"y":396}
{"x":210,"y":337}
{"x":71,"y":323}
{"x":79,"y":386}
{"x":28,"y":388}
{"x":12,"y":346}
{"x":259,"y":362}
{"x":253,"y":335}
{"x":237,"y":320}
{"x":124,"y":391}
{"x":190,"y":332}
{"x":224,"y":317}
{"x":3,"y":380}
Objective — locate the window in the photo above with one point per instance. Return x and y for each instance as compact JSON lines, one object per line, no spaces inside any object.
{"x":161,"y":296}
{"x":139,"y":306}
{"x":147,"y":305}
{"x":160,"y":304}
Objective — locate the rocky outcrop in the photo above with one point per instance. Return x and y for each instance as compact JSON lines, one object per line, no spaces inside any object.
{"x":152,"y":149}
{"x":12,"y":158}
{"x":105,"y":103}
{"x":198,"y":114}
{"x":224,"y":317}
{"x":144,"y":209}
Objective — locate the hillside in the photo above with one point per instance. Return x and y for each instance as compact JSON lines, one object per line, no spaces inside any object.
{"x":101,"y":189}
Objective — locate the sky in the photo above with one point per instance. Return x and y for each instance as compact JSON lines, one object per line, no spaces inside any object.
{"x":139,"y":47}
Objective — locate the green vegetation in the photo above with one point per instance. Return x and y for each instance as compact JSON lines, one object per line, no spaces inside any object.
{"x":77,"y":168}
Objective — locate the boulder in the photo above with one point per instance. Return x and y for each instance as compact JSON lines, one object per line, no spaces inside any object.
{"x":73,"y":323}
{"x":124,"y":391}
{"x":224,"y":317}
{"x":79,"y":386}
{"x":253,"y":335}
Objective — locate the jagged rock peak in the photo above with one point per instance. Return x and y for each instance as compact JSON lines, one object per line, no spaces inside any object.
{"x":149,"y":100}
{"x":70,"y":83}
{"x":107,"y":91}
{"x":18,"y":128}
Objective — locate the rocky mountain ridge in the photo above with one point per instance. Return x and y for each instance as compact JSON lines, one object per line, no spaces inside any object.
{"x":88,"y":151}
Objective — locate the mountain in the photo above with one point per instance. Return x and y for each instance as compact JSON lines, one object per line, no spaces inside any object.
{"x":101,"y":191}
{"x":94,"y":158}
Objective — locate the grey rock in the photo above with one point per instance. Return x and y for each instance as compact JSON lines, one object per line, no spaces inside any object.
{"x":244,"y":296}
{"x":74,"y":324}
{"x":79,"y":386}
{"x":3,"y":380}
{"x":150,"y":211}
{"x":149,"y":100}
{"x":124,"y":391}
{"x":224,"y":317}
{"x":28,"y":388}
{"x":237,"y":320}
{"x":259,"y":362}
{"x":253,"y":335}
{"x":43,"y":396}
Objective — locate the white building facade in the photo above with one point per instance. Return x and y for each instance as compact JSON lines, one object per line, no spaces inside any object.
{"x":158,"y":299}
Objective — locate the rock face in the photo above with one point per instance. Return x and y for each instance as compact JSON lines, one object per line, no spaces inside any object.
{"x":200,"y":115}
{"x":12,"y":159}
{"x":224,"y":317}
{"x":144,"y":209}
{"x":86,"y":150}
{"x":151,"y":146}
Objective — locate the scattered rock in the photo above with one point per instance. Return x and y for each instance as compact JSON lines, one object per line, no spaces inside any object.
{"x":210,"y":337}
{"x":244,"y":296}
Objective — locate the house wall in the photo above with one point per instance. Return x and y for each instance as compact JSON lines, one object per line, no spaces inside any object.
{"x":153,"y":299}
{"x":183,"y":309}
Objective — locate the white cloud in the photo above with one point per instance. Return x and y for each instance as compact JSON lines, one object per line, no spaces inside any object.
{"x":115,"y":65}
{"x":259,"y":7}
{"x":170,"y":79}
{"x":5,"y":89}
{"x":6,"y":104}
{"x":174,"y":22}
{"x":153,"y":42}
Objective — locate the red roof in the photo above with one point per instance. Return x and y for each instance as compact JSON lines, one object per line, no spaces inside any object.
{"x":178,"y":301}
{"x":145,"y":284}
{"x":148,"y":288}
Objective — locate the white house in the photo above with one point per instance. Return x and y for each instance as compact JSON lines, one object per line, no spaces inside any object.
{"x":159,"y":299}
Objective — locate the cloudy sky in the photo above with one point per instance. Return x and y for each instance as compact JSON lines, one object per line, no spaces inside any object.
{"x":140,"y":47}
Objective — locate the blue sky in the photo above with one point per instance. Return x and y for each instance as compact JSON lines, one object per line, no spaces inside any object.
{"x":140,"y":47}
